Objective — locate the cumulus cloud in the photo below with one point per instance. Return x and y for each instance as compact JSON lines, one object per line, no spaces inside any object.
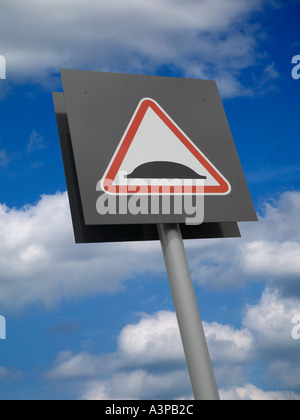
{"x":40,"y":262}
{"x":79,"y":366}
{"x":265,"y":336}
{"x":139,"y":384}
{"x":270,"y":322}
{"x":149,"y":362}
{"x":251,"y":392}
{"x":139,"y":347}
{"x":208,"y":39}
{"x":236,"y":344}
{"x":142,"y":343}
{"x":268,"y":251}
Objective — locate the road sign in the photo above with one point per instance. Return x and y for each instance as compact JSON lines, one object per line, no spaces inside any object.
{"x":153,"y":152}
{"x":130,"y":139}
{"x":158,"y":131}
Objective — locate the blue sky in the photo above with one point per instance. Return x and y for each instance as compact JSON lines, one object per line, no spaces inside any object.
{"x":80,"y":326}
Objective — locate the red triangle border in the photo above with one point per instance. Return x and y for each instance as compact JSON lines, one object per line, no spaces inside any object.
{"x":107,"y":182}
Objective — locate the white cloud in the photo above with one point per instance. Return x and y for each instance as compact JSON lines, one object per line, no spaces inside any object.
{"x":251,"y":392}
{"x":149,"y":362}
{"x":272,"y":258}
{"x":139,"y":346}
{"x":209,"y":38}
{"x":268,"y":251}
{"x":138,"y":384}
{"x":281,"y":219}
{"x":79,"y":366}
{"x":40,"y":262}
{"x":236,"y":345}
{"x":139,"y":349}
{"x":270,"y":322}
{"x":142,"y":343}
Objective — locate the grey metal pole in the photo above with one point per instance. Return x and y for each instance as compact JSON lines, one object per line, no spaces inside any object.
{"x":187,"y":312}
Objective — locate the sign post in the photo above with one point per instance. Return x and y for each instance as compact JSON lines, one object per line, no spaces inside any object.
{"x":187,"y":312}
{"x":152,"y":158}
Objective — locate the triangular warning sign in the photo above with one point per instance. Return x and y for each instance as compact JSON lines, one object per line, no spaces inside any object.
{"x":156,"y":157}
